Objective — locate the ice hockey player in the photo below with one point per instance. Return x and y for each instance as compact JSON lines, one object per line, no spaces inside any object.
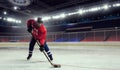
{"x":39,"y":32}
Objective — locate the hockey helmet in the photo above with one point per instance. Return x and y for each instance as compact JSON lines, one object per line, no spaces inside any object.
{"x":31,"y":21}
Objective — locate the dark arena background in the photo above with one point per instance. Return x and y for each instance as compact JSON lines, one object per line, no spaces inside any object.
{"x":82,"y":34}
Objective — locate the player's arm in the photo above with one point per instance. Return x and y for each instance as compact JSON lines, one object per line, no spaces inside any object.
{"x":29,"y":28}
{"x":30,"y":22}
{"x":42,"y":37}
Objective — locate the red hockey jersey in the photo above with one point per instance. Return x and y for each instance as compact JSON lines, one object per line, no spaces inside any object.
{"x":40,"y":33}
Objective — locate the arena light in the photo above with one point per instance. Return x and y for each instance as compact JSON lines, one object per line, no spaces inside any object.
{"x":10,"y":19}
{"x":59,"y":16}
{"x":5,"y":12}
{"x":106,"y":6}
{"x":13,"y":20}
{"x":94,"y":9}
{"x":4,"y":18}
{"x":15,"y":7}
{"x":19,"y":21}
{"x":81,"y":11}
{"x":62,"y":15}
{"x":55,"y":17}
{"x":116,"y":5}
{"x":73,"y":13}
{"x":46,"y":18}
{"x":16,"y":21}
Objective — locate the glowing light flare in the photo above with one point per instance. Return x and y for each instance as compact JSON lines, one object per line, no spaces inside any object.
{"x":13,"y":20}
{"x":5,"y":12}
{"x":116,"y":5}
{"x":46,"y":18}
{"x":10,"y":19}
{"x":59,"y":16}
{"x":81,"y":11}
{"x":19,"y":21}
{"x":15,"y":7}
{"x":106,"y":6}
{"x":62,"y":15}
{"x":73,"y":13}
{"x":4,"y":18}
{"x":94,"y":9}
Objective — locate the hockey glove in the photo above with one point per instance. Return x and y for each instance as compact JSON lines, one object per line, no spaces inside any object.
{"x":29,"y":30}
{"x":41,"y":48}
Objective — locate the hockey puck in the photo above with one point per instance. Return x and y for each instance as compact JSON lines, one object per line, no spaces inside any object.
{"x":57,"y":66}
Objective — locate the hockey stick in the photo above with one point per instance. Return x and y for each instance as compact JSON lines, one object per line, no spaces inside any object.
{"x":54,"y":65}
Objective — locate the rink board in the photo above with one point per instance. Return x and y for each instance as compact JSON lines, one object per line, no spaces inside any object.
{"x":64,"y":43}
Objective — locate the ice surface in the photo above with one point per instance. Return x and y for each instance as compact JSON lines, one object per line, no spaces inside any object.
{"x":70,"y":58}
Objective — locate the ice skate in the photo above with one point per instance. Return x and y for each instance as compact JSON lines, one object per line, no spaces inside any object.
{"x":51,"y":58}
{"x":29,"y":56}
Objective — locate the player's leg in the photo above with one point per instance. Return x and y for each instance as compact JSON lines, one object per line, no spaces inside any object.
{"x":31,"y":47}
{"x":47,"y":50}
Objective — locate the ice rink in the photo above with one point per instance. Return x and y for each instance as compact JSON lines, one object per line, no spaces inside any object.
{"x":70,"y":58}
